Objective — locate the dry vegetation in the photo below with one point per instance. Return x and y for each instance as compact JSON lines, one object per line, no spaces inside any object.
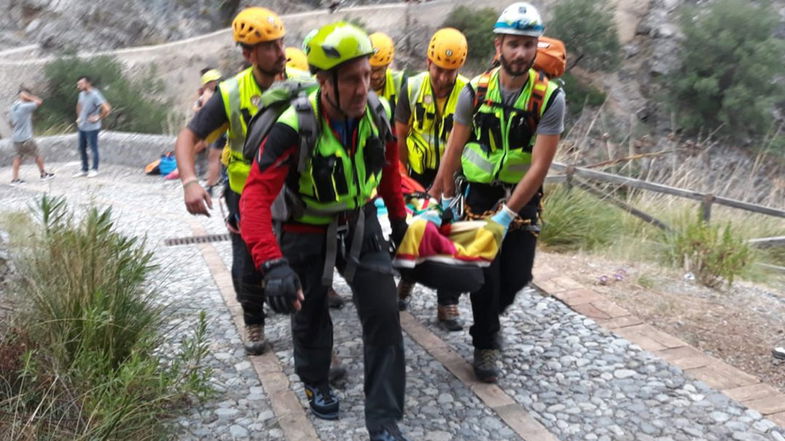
{"x":740,"y":323}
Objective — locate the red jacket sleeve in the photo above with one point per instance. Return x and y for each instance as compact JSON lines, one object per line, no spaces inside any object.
{"x":390,"y":186}
{"x":256,"y":223}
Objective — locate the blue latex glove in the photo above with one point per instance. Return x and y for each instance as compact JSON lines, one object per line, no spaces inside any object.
{"x":504,"y":217}
{"x":446,"y":202}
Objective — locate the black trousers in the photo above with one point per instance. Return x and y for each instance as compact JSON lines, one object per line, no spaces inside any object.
{"x":507,"y":274}
{"x":374,"y":294}
{"x":246,"y":279}
{"x":443,"y":297}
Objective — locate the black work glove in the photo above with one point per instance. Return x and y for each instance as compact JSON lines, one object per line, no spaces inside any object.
{"x":399,"y":227}
{"x":280,"y":286}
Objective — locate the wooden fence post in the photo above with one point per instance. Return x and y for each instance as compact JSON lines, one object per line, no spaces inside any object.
{"x":706,"y":204}
{"x":569,"y":173}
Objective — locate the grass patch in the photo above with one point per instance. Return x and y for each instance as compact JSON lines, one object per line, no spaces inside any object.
{"x":716,"y":253}
{"x":575,"y":220}
{"x":80,"y":360}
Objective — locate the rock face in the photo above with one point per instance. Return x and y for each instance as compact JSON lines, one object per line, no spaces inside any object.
{"x":111,"y":24}
{"x":78,"y":25}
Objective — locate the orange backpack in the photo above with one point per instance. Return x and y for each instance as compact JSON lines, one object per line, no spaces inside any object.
{"x":551,"y":57}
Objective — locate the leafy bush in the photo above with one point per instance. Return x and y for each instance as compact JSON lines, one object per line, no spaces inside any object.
{"x":477,"y":26}
{"x":576,"y":220}
{"x":88,"y":335}
{"x":589,"y":32}
{"x":714,"y":254}
{"x":136,"y":104}
{"x":729,"y":58}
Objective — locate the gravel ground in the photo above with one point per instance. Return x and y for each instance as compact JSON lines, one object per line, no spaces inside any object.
{"x":578,"y":380}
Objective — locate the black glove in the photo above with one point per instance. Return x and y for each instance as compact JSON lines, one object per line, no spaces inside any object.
{"x":280,"y":286}
{"x":399,"y":227}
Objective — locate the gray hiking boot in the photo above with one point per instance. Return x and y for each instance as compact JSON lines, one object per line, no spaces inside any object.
{"x":449,"y":317}
{"x":405,"y":288}
{"x":485,"y":368}
{"x":337,"y":370}
{"x":334,"y":300}
{"x":254,"y":339}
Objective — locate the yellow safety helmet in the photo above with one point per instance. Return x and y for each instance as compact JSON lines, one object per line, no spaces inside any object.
{"x":257,"y":25}
{"x":210,"y":75}
{"x":295,"y":58}
{"x":383,"y":49}
{"x":448,"y":48}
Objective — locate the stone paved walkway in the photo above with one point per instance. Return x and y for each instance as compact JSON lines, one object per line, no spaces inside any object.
{"x":566,"y":377}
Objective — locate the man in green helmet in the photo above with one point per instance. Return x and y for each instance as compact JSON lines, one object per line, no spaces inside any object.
{"x":330,"y":181}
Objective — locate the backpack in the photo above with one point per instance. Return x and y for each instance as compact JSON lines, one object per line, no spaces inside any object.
{"x":551,"y":57}
{"x":167,"y":163}
{"x":274,"y":102}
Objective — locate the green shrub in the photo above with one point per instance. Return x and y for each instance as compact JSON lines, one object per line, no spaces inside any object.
{"x":136,"y":104}
{"x":89,"y":331}
{"x":576,"y":220}
{"x":729,"y":60}
{"x":477,"y":26}
{"x":589,"y":32}
{"x":714,"y":254}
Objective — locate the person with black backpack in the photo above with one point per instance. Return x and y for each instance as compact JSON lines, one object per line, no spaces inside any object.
{"x":507,"y":126}
{"x":259,"y":32}
{"x":313,"y":181}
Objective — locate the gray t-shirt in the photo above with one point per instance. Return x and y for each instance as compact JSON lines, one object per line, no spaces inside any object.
{"x":22,"y":120}
{"x":91,"y":105}
{"x":551,"y":123}
{"x":402,"y":110}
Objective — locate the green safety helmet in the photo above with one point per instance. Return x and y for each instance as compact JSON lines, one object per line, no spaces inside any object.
{"x":335,"y":44}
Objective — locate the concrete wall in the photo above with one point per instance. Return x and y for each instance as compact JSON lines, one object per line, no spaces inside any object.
{"x":130,"y":149}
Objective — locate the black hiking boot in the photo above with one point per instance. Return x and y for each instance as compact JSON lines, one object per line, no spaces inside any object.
{"x":387,"y":432}
{"x":324,"y":404}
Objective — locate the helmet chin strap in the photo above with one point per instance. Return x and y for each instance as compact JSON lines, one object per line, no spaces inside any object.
{"x":336,"y":104}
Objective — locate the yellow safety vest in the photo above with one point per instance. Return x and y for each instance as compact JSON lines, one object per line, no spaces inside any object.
{"x":392,"y":86}
{"x":241,"y":97}
{"x":428,"y":134}
{"x":500,"y":146}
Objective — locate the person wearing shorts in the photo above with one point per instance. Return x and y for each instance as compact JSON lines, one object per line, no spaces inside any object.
{"x":21,"y":113}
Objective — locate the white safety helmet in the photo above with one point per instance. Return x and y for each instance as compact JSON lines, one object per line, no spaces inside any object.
{"x":519,"y":19}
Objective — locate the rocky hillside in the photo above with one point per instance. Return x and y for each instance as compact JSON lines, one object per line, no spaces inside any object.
{"x":112,"y":24}
{"x":648,"y":31}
